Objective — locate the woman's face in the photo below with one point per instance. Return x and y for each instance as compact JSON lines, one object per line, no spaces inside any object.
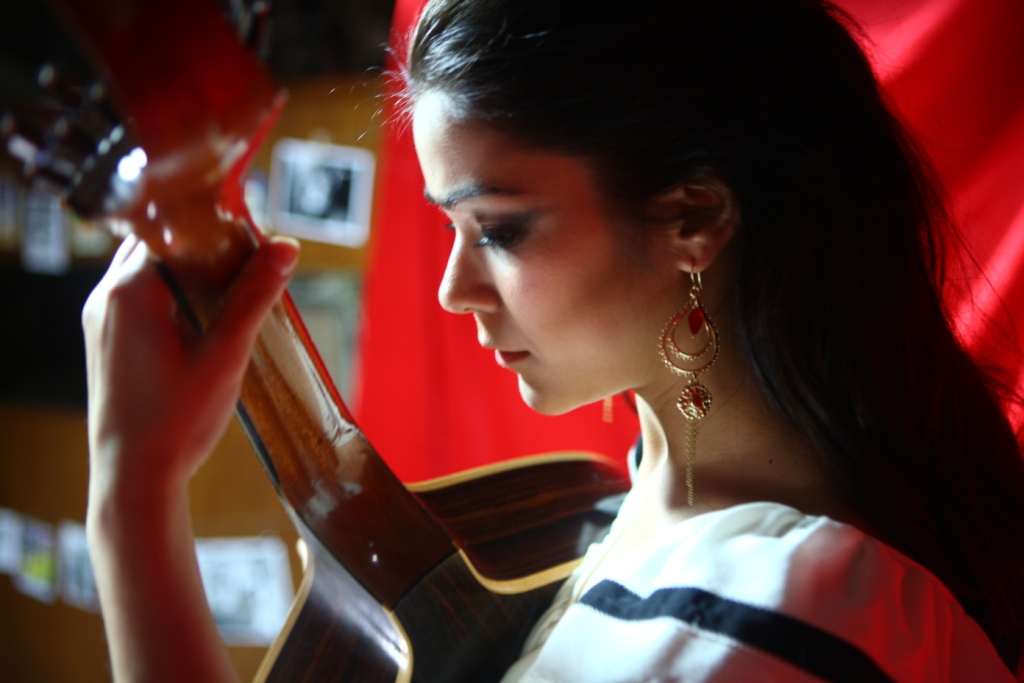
{"x":539,"y":260}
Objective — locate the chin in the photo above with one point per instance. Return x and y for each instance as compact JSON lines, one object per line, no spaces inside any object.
{"x":545,"y":403}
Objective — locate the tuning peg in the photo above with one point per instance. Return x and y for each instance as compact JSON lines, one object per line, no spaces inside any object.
{"x":251,"y":19}
{"x":11,"y":126}
{"x":41,"y":153}
{"x":72,"y":146}
{"x":56,"y":83}
{"x":21,"y":140}
{"x":72,"y":138}
{"x":45,"y":179}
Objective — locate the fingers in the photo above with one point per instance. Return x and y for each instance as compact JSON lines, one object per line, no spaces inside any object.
{"x":132,"y":287}
{"x":132,"y":309}
{"x":158,"y":399}
{"x":251,"y":295}
{"x":128,"y":244}
{"x":95,"y":305}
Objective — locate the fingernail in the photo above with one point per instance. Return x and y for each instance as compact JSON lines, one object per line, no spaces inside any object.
{"x":284,"y":254}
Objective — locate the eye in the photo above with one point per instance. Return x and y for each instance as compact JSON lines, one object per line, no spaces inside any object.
{"x":503,"y":236}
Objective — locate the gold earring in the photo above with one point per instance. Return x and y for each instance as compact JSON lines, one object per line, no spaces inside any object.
{"x":695,"y":400}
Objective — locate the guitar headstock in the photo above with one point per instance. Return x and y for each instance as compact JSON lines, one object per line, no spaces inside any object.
{"x":150,"y":121}
{"x":59,"y":130}
{"x":58,"y":121}
{"x":82,"y":151}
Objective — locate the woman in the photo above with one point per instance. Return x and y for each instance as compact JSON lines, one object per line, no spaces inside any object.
{"x":706,"y":203}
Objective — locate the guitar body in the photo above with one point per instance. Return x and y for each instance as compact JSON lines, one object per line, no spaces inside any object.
{"x":336,"y":631}
{"x":455,"y":624}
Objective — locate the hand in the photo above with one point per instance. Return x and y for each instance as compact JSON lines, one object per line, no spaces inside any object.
{"x":159,"y":396}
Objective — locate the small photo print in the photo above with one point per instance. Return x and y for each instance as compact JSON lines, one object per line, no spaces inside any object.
{"x":320,"y":191}
{"x":44,"y":235}
{"x":10,"y":541}
{"x":248,"y":584}
{"x":76,"y":579}
{"x":37,"y":576}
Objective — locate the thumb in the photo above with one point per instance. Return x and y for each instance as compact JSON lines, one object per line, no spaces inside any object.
{"x":251,"y":295}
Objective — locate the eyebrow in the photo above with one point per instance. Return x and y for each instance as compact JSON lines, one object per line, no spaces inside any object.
{"x":450,"y":200}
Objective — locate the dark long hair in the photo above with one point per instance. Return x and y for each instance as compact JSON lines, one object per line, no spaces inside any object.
{"x":839,"y":286}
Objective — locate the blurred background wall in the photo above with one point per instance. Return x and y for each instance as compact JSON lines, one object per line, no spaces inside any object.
{"x":328,"y":55}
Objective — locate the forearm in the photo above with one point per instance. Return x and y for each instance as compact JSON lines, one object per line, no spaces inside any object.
{"x":158,"y":622}
{"x":158,"y":402}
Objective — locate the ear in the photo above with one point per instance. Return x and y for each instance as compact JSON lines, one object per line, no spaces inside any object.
{"x":692,"y":222}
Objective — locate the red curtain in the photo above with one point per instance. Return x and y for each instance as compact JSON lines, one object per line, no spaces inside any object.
{"x":433,"y":402}
{"x":955,"y":70}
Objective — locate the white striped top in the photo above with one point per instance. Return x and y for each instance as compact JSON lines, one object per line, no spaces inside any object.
{"x":756,"y":592}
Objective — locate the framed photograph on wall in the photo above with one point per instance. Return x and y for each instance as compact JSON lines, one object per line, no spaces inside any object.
{"x":320,"y":191}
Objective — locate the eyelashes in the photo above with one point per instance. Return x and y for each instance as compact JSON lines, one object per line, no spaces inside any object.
{"x":500,"y":236}
{"x":503,"y":236}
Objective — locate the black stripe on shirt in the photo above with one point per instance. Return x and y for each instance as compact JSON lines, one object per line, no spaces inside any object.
{"x":807,"y":647}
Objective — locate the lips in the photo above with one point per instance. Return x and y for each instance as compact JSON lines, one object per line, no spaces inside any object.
{"x":507,"y":358}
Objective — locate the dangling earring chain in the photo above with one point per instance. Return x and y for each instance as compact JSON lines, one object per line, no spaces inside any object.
{"x":695,"y":400}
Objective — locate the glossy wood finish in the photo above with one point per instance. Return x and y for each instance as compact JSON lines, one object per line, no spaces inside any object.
{"x":462,"y":632}
{"x":457,"y":627}
{"x":337,"y":631}
{"x":520,"y":520}
{"x":327,"y":472}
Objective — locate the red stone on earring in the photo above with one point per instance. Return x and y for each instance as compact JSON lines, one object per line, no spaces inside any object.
{"x":695,"y":401}
{"x":696,"y":319}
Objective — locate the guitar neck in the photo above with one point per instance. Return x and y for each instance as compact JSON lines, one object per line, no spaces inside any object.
{"x":326,"y":471}
{"x":200,"y":115}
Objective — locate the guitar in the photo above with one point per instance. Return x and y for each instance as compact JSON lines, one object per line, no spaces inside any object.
{"x":434,"y":582}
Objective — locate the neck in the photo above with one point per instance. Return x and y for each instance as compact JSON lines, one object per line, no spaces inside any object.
{"x":746,"y":452}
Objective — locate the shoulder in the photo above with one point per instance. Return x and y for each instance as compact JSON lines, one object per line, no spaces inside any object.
{"x":764,"y":592}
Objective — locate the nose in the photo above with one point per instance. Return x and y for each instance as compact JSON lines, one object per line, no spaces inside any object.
{"x":467,"y":286}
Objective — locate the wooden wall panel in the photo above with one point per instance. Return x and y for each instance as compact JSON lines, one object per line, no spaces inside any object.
{"x":44,"y":473}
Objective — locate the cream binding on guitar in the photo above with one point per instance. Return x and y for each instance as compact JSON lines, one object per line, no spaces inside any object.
{"x":434,"y":582}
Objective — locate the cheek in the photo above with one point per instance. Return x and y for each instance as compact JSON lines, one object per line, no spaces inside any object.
{"x":584,"y":307}
{"x":533,"y":299}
